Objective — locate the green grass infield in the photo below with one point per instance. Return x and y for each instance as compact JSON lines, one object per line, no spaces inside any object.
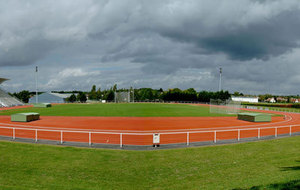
{"x":272,"y":164}
{"x":121,"y":110}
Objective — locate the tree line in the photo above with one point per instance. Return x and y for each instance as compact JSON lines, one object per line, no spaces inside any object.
{"x":141,"y":94}
{"x":149,"y":94}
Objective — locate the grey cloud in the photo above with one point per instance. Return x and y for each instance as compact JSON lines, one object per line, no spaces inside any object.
{"x":259,"y":40}
{"x":152,"y":43}
{"x":27,"y":53}
{"x":270,"y":37}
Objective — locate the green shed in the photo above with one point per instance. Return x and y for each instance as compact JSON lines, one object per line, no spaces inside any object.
{"x":25,"y":117}
{"x":255,"y":117}
{"x":42,"y":105}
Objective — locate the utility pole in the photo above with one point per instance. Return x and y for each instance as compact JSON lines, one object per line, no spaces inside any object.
{"x":36,"y":85}
{"x":220,"y":82}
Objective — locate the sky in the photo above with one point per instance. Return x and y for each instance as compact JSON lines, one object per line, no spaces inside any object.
{"x":153,"y":44}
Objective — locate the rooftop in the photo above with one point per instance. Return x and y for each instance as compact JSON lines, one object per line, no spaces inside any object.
{"x":2,"y":80}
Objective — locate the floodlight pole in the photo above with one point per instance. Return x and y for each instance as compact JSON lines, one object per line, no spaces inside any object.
{"x":128,"y":96}
{"x":131,"y":90}
{"x":220,"y":82}
{"x":36,"y":85}
{"x":133,"y":95}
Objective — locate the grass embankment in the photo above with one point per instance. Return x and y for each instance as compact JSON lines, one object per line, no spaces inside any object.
{"x":283,"y":107}
{"x":256,"y":165}
{"x":121,"y":110}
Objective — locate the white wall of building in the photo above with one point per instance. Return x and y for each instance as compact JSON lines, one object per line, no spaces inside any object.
{"x":245,"y":99}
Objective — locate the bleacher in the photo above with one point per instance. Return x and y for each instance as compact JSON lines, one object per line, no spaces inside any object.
{"x":8,"y":101}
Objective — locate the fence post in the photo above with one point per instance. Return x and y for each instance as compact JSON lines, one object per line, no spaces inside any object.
{"x":121,"y":143}
{"x":290,"y":130}
{"x":90,"y":139}
{"x":258,"y":135}
{"x":239,"y":134}
{"x":14,"y":133}
{"x":215,"y":138}
{"x":61,"y":137}
{"x":36,"y":135}
{"x":275,"y":131}
{"x":187,"y":138}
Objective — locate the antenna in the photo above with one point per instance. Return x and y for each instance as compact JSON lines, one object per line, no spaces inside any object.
{"x":220,"y":82}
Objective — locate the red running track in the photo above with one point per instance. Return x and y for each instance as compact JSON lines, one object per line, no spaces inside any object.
{"x":139,"y":130}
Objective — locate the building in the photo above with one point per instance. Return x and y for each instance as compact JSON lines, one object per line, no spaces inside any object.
{"x":295,"y":100}
{"x":50,"y":97}
{"x":6,"y":100}
{"x":282,"y":99}
{"x":271,"y":100}
{"x":244,"y":99}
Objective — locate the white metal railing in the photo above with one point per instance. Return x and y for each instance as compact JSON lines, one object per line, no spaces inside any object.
{"x":216,"y":133}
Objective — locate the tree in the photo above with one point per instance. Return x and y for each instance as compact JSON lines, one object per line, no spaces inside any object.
{"x":115,"y":88}
{"x":189,"y":95}
{"x":265,"y":97}
{"x":204,"y":96}
{"x":23,"y":96}
{"x":238,"y":94}
{"x":93,"y":93}
{"x":222,"y":95}
{"x":146,"y":94}
{"x":173,"y":95}
{"x":72,"y":98}
{"x":109,"y":95}
{"x":81,"y":97}
{"x":99,"y":94}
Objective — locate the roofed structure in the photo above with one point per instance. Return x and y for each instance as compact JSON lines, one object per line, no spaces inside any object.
{"x":2,"y":80}
{"x":50,"y":97}
{"x":6,"y":100}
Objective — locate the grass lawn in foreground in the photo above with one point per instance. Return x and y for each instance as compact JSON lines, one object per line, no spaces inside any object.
{"x":121,"y":110}
{"x":257,"y":165}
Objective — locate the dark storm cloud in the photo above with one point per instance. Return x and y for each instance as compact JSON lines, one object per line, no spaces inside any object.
{"x":271,"y":37}
{"x":266,"y":37}
{"x":152,"y":43}
{"x":27,"y":53}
